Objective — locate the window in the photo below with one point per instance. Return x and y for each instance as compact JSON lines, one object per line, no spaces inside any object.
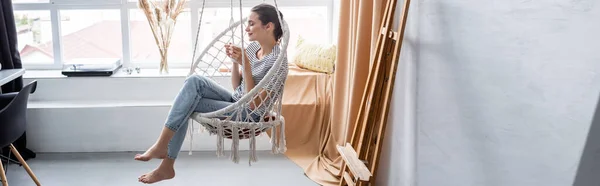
{"x":54,"y":32}
{"x":308,"y":22}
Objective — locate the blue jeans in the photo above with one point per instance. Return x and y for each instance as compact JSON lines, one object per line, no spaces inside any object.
{"x":198,"y":94}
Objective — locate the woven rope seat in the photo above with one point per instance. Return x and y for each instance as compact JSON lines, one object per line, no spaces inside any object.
{"x":243,"y":119}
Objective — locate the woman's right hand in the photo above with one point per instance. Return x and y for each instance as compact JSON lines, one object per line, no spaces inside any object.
{"x":234,"y":53}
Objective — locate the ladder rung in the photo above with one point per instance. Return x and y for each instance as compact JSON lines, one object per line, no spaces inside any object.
{"x":391,"y":34}
{"x":356,"y":166}
{"x":394,"y":35}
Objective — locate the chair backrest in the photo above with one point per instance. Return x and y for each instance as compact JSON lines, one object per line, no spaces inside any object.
{"x":13,"y":115}
{"x":213,"y":62}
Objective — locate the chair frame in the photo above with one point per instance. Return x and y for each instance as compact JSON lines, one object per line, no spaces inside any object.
{"x":219,"y":122}
{"x":28,"y":89}
{"x":3,"y":178}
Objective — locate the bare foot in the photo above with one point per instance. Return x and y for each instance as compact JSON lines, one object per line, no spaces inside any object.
{"x":157,"y":175}
{"x":153,"y":152}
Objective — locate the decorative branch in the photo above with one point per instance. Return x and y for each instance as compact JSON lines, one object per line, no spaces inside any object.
{"x":162,"y":19}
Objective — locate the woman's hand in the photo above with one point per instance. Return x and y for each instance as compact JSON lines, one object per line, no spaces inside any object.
{"x":234,"y":53}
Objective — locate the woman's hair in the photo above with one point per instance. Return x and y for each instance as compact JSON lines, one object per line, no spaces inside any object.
{"x":267,"y":13}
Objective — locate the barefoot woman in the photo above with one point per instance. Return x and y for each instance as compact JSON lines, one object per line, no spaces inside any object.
{"x":200,"y":94}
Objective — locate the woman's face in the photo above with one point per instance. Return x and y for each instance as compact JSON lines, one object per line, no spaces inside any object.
{"x":256,"y":30}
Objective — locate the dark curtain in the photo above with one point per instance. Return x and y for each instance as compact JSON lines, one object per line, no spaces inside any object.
{"x":10,"y":59}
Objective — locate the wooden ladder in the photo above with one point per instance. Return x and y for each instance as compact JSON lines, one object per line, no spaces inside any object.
{"x":361,"y":155}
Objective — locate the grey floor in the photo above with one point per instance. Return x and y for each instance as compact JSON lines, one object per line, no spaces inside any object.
{"x":201,"y":168}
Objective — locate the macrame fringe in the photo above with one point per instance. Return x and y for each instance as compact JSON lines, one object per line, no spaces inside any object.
{"x":235,"y":151}
{"x":201,"y":129}
{"x":273,"y":142}
{"x":191,"y":130}
{"x":253,"y":157}
{"x":220,"y":138}
{"x":282,"y":145}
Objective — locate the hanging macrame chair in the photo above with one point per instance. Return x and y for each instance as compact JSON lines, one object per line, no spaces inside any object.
{"x":230,"y":122}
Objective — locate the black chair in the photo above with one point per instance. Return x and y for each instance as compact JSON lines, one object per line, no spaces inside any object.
{"x":13,"y":109}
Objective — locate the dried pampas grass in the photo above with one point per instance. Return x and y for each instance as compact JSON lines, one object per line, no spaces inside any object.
{"x":162,"y":19}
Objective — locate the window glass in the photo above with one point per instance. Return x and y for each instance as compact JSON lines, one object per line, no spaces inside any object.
{"x":91,"y":36}
{"x":308,"y":22}
{"x":34,"y":36}
{"x":143,"y":45}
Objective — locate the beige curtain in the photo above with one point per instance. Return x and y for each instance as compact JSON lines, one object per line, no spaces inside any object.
{"x":358,"y":30}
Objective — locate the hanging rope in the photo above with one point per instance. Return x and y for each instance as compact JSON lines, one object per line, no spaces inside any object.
{"x":242,"y":34}
{"x":198,"y":33}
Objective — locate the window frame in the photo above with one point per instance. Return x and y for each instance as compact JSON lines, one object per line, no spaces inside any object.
{"x":124,"y":7}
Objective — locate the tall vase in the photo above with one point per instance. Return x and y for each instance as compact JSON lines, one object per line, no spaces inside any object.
{"x":164,"y":65}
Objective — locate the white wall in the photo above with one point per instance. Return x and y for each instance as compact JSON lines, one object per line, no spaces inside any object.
{"x":506,"y":90}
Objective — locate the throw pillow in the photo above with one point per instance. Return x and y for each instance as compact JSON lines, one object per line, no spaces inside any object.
{"x":315,"y":57}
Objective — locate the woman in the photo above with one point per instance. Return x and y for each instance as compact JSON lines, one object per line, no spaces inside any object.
{"x":200,"y":94}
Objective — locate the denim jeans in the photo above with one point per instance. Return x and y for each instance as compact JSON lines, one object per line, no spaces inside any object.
{"x":198,"y":94}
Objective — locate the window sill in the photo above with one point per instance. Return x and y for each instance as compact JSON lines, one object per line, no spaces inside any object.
{"x":121,"y":73}
{"x":97,"y":104}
